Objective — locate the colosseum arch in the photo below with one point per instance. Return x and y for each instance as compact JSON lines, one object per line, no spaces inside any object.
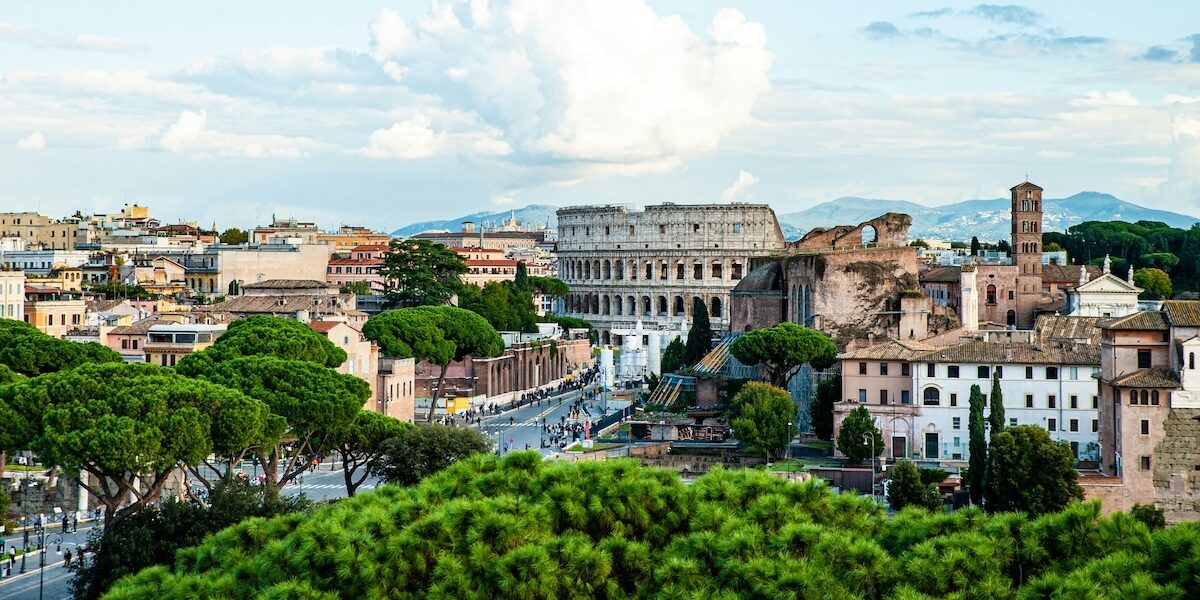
{"x":715,"y":309}
{"x":662,"y":306}
{"x":678,"y":309}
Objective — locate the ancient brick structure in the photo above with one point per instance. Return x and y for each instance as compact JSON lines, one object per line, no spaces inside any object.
{"x":887,"y":231}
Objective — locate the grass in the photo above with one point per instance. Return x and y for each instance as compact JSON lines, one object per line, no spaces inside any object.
{"x":594,"y":448}
{"x":795,"y":465}
{"x":30,"y":468}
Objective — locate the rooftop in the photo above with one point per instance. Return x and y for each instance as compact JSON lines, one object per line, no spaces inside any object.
{"x":286,"y":284}
{"x":906,"y":350}
{"x":1155,"y":377}
{"x":1146,"y":320}
{"x":1183,"y":313}
{"x":981,"y":352}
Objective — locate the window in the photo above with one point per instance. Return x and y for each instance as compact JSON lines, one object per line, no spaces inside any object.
{"x":1144,"y":462}
{"x":883,"y":368}
{"x":1074,"y":373}
{"x":695,"y":228}
{"x":999,"y":372}
{"x":862,"y":368}
{"x":1028,"y":372}
{"x":1012,"y":422}
{"x":1191,"y":360}
{"x":1074,"y":401}
{"x":1154,"y":397}
{"x":931,"y":396}
{"x":1095,"y":425}
{"x":991,"y":294}
{"x":1145,"y":397}
{"x":135,"y":343}
{"x":1145,"y":427}
{"x":983,"y":373}
{"x":862,"y":396}
{"x":662,"y":229}
{"x":1052,"y":425}
{"x":1010,"y":294}
{"x":956,"y":423}
{"x":883,"y":396}
{"x":1074,"y":424}
{"x":904,"y":370}
{"x":905,"y":397}
{"x":1051,"y":372}
{"x":953,"y":399}
{"x":737,"y":227}
{"x":1144,"y":359}
{"x":1028,"y":400}
{"x":1052,"y":401}
{"x":952,"y":371}
{"x":931,"y":370}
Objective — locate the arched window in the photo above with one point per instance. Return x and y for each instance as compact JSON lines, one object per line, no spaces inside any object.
{"x":1011,"y":318}
{"x":1154,"y":397}
{"x":1145,"y":397}
{"x":931,"y":396}
{"x":1132,"y":397}
{"x":715,"y":311}
{"x":678,"y":306}
{"x":991,"y":294}
{"x":869,"y":236}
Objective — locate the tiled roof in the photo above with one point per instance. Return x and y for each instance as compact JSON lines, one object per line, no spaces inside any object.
{"x":356,"y":261}
{"x":1156,"y":377}
{"x":1067,"y":275}
{"x":942,"y":275}
{"x":1146,"y":320}
{"x":370,"y":248}
{"x":1058,"y":328}
{"x":890,"y":350}
{"x":327,"y":326}
{"x":1183,"y":313}
{"x":982,"y":352}
{"x":286,"y":284}
{"x":490,"y":263}
{"x":274,"y":305}
{"x":139,"y":327}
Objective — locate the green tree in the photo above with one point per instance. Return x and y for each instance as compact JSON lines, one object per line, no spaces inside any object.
{"x":27,"y":351}
{"x":907,"y":488}
{"x":234,"y":236}
{"x":1029,"y":472}
{"x":977,"y":445}
{"x":521,"y":279}
{"x":919,"y":243}
{"x":673,"y":357}
{"x":123,"y":429}
{"x":1164,"y":261}
{"x":154,"y":535}
{"x":859,"y":438}
{"x":821,"y":410}
{"x":699,"y":340}
{"x":502,"y":304}
{"x":996,"y":419}
{"x":439,"y":335}
{"x":358,"y":288}
{"x":311,"y":407}
{"x":974,"y":246}
{"x":421,"y":273}
{"x":264,"y":336}
{"x":1155,"y":283}
{"x":549,"y":286}
{"x":1149,"y":515}
{"x":418,"y":452}
{"x":765,"y":419}
{"x":363,"y":446}
{"x":783,"y":350}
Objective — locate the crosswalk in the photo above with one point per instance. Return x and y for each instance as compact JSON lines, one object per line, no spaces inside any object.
{"x":335,"y":486}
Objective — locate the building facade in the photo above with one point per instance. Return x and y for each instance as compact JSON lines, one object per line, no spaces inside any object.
{"x":12,"y":295}
{"x":53,"y":311}
{"x":624,"y":265}
{"x":223,"y":269}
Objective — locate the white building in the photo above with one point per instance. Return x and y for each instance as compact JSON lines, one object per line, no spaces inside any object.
{"x":1104,"y":296}
{"x":1050,"y":386}
{"x":12,"y":295}
{"x":41,"y":262}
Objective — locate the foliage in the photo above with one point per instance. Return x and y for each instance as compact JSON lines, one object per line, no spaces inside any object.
{"x":919,"y":243}
{"x":765,"y":418}
{"x":418,"y":452}
{"x":1029,"y":472}
{"x":908,"y":488}
{"x":1150,"y":515}
{"x":27,"y":351}
{"x":363,"y":447}
{"x":112,"y":291}
{"x":933,"y":475}
{"x":857,"y":425}
{"x":311,"y":409}
{"x":264,"y":336}
{"x":974,"y":246}
{"x":821,"y":410}
{"x":672,"y":357}
{"x":153,"y":536}
{"x":1159,"y":260}
{"x":549,"y":286}
{"x":126,"y":425}
{"x":234,"y":236}
{"x":1143,"y":244}
{"x":699,"y":340}
{"x":783,"y":349}
{"x":1155,"y":282}
{"x":977,"y":445}
{"x":506,"y":306}
{"x":358,"y":288}
{"x":421,"y":273}
{"x":436,"y":334}
{"x":996,"y":419}
{"x":521,"y":279}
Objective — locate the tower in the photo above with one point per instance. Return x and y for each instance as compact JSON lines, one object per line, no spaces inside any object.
{"x":1027,"y":250}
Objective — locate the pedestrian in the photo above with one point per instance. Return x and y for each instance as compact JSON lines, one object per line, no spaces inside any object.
{"x":67,"y":558}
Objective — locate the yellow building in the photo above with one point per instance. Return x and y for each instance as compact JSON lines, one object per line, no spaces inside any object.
{"x":346,"y":239}
{"x":53,"y":311}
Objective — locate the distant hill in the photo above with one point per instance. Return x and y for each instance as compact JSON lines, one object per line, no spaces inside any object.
{"x":532,"y":215}
{"x":988,"y":219}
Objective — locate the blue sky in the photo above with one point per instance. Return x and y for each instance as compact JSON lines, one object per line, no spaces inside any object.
{"x":381,"y":114}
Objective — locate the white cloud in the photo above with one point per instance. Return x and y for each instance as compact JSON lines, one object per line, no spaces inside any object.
{"x":79,"y":41}
{"x":1117,"y":98}
{"x":34,"y":141}
{"x":411,"y":139}
{"x":740,"y":188}
{"x":190,"y":133}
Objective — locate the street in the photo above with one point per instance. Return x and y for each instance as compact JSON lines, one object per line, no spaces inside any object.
{"x":525,"y":429}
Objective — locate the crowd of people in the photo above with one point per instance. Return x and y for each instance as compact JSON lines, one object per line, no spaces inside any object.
{"x":549,"y":394}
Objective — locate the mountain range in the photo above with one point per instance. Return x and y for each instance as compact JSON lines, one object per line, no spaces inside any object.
{"x":987,"y":219}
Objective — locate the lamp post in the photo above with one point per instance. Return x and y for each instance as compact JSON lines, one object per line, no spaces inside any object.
{"x":57,"y":541}
{"x":869,"y":439}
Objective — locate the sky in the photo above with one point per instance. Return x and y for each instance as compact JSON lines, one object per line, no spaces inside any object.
{"x":385,"y":113}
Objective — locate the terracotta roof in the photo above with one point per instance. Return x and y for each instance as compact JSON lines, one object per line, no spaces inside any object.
{"x":1155,"y":377}
{"x":356,"y":261}
{"x":327,"y":326}
{"x":1058,"y":328}
{"x":139,"y":327}
{"x":275,"y":305}
{"x":99,"y":306}
{"x":1067,"y":275}
{"x":1025,"y":185}
{"x":370,"y":248}
{"x":982,"y":352}
{"x":491,"y":263}
{"x":1183,"y":313}
{"x":942,"y":275}
{"x":286,"y":284}
{"x":890,"y":350}
{"x":1146,"y":320}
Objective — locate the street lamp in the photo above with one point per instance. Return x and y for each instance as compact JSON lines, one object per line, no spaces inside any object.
{"x":57,"y":541}
{"x":871,"y":443}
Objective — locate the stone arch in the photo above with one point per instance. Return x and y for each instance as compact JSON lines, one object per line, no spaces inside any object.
{"x":714,"y":310}
{"x":587,"y":269}
{"x":631,"y":305}
{"x":869,"y":236}
{"x":678,"y":308}
{"x":605,"y":306}
{"x":808,"y":305}
{"x":1011,"y":318}
{"x":716,"y":269}
{"x":735,"y":271}
{"x":620,"y":270}
{"x":649,"y":270}
{"x":607,"y":270}
{"x":679,"y":269}
{"x":618,"y":305}
{"x":662,"y":306}
{"x":595,"y":304}
{"x":646,"y":306}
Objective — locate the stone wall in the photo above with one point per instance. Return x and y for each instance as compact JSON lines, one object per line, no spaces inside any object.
{"x":1176,"y":458}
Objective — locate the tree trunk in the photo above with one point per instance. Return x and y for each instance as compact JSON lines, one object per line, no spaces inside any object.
{"x":437,"y":394}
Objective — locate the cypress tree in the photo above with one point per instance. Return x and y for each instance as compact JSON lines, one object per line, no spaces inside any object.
{"x":699,"y":340}
{"x":996,"y":414}
{"x":978,"y":447}
{"x":522,"y":278}
{"x":974,"y":246}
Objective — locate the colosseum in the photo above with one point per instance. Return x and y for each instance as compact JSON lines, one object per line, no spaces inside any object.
{"x":624,"y":265}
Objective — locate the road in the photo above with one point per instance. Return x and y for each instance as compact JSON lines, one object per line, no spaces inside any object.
{"x":524,"y":431}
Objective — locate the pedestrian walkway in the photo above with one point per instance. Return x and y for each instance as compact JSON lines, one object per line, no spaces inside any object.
{"x":334,"y":486}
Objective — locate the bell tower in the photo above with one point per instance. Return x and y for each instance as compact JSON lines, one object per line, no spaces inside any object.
{"x":1027,"y":250}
